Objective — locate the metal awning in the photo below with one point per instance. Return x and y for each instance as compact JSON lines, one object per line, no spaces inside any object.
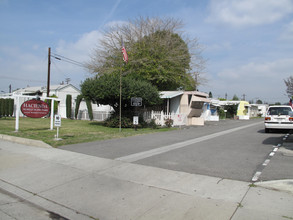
{"x":170,"y":94}
{"x":200,"y":99}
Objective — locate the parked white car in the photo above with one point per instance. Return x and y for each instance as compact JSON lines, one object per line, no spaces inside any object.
{"x":279,"y":117}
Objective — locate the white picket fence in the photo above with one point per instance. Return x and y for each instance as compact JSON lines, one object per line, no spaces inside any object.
{"x":97,"y":115}
{"x":160,"y":117}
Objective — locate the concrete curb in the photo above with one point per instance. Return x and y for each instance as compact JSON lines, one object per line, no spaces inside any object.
{"x":279,"y":185}
{"x":25,"y":141}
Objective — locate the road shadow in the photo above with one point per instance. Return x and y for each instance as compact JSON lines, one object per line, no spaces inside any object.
{"x":273,"y":140}
{"x":276,"y":131}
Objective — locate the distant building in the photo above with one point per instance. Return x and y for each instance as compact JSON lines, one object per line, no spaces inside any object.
{"x":245,"y":110}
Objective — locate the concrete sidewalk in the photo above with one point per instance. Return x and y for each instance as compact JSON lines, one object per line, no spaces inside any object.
{"x":48,"y":183}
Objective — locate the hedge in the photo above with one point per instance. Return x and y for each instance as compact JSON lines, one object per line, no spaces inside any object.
{"x":6,"y":107}
{"x":68,"y":106}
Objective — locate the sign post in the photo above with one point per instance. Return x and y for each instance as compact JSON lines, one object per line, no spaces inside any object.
{"x":32,"y":108}
{"x":57,"y":123}
{"x":135,"y":122}
{"x":17,"y":114}
{"x":136,"y":102}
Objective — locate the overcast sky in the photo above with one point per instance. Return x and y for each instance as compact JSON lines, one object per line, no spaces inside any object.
{"x":248,"y":43}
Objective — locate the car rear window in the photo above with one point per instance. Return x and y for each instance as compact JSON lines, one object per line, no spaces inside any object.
{"x":279,"y":110}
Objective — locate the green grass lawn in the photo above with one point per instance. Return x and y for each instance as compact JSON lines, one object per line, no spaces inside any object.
{"x":71,"y":131}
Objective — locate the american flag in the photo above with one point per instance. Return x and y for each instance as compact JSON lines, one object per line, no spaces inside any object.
{"x":125,"y":56}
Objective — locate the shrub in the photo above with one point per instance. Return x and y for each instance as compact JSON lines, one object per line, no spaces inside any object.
{"x":231,"y":111}
{"x":142,"y":122}
{"x":11,"y":107}
{"x":68,"y":106}
{"x":77,"y":104}
{"x":153,"y":124}
{"x":2,"y":107}
{"x":6,"y":108}
{"x":169,"y":122}
{"x":89,"y":108}
{"x":113,"y":122}
{"x":222,"y":114}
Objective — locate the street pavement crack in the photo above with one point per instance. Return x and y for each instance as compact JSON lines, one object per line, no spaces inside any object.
{"x":240,"y":203}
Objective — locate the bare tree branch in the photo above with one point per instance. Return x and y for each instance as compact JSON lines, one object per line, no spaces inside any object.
{"x":289,"y":84}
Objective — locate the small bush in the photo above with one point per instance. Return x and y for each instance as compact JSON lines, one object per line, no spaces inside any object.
{"x":169,"y":122}
{"x":113,"y":122}
{"x":153,"y":124}
{"x":222,"y":113}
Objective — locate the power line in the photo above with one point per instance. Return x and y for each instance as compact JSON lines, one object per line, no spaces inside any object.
{"x":68,"y":60}
{"x":59,"y":70}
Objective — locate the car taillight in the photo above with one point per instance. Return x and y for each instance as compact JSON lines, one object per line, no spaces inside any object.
{"x":268,"y":118}
{"x":291,"y":119}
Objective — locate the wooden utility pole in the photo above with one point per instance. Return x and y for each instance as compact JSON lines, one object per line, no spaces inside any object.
{"x":49,"y":64}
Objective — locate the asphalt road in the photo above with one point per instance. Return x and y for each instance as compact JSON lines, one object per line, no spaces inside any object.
{"x":229,"y":149}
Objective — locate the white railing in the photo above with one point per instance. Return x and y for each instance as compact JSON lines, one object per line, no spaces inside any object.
{"x":160,"y":117}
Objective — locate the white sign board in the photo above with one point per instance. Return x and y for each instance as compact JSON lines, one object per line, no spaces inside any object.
{"x":179,"y":119}
{"x":135,"y":120}
{"x":57,"y":121}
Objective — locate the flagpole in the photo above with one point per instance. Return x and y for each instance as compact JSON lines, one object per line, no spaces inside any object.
{"x":125,"y":59}
{"x":120,"y":101}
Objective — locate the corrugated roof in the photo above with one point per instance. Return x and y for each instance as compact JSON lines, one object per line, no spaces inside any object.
{"x":170,"y":94}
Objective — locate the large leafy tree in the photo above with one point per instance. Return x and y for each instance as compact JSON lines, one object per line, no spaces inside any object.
{"x":157,"y":53}
{"x":163,"y":59}
{"x":106,"y":90}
